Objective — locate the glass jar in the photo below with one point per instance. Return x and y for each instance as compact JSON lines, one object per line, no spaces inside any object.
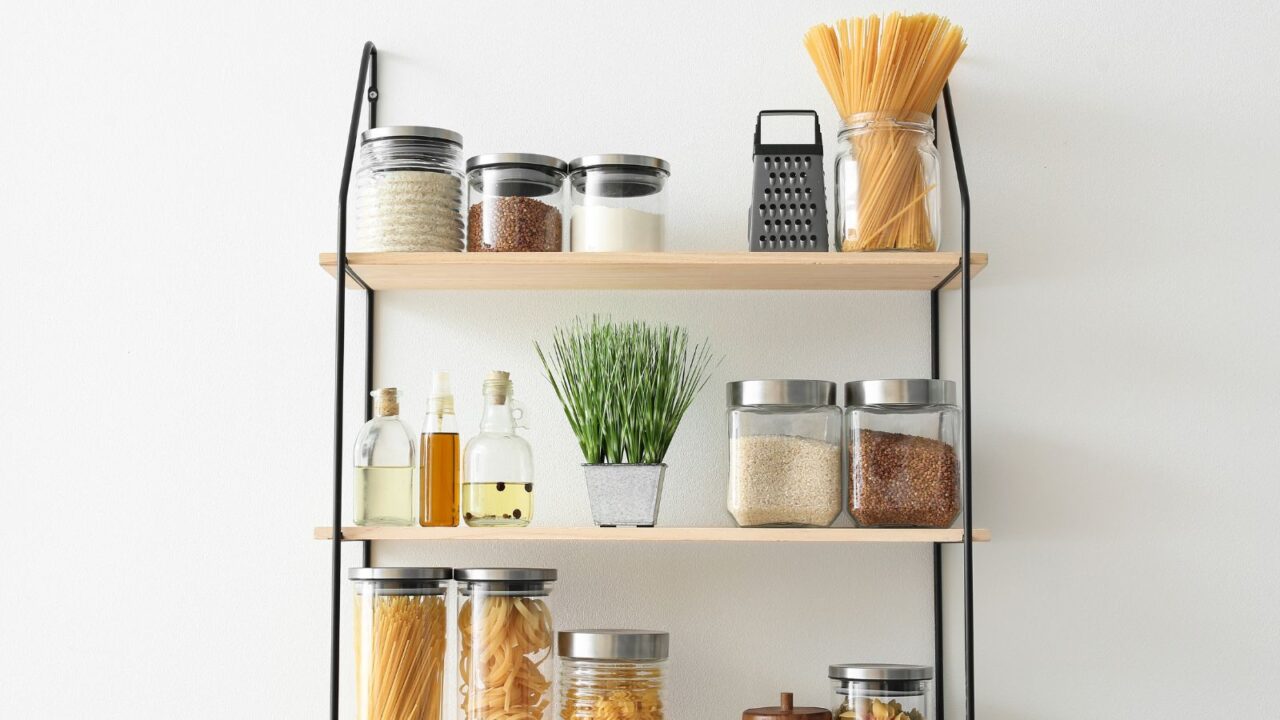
{"x":619,"y":203}
{"x":904,"y":463}
{"x":887,"y":195}
{"x":784,"y":453}
{"x":504,"y":643}
{"x":516,"y":203}
{"x":409,"y":190}
{"x":400,"y":640}
{"x":497,"y":464}
{"x":881,"y":691}
{"x":612,"y":674}
{"x":385,"y":467}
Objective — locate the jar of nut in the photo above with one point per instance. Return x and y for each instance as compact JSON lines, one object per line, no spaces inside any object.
{"x":516,"y":203}
{"x":903,"y":438}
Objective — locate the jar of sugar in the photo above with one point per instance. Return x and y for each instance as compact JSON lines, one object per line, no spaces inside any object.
{"x":619,"y":203}
{"x":409,"y":190}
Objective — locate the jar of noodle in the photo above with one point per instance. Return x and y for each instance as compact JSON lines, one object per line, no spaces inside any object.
{"x":504,"y":643}
{"x":610,"y":674}
{"x":887,"y":195}
{"x":400,"y":638}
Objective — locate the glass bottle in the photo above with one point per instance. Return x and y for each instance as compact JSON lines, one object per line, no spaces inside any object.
{"x":438,"y":491}
{"x":384,"y":465}
{"x":497,"y":466}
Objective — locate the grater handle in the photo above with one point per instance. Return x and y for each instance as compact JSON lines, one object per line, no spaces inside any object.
{"x":817,"y":127}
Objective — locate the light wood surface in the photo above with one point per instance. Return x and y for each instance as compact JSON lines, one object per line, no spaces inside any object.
{"x":658,"y":534}
{"x":655,"y":271}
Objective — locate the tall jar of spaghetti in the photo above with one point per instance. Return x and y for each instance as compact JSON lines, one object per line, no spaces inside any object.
{"x":400,"y":637}
{"x":612,"y":674}
{"x":887,"y":195}
{"x":504,"y":643}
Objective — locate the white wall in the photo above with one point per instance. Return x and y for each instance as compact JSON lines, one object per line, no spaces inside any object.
{"x":169,"y":176}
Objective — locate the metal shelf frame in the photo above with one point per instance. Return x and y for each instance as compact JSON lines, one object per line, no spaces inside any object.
{"x":367,"y":91}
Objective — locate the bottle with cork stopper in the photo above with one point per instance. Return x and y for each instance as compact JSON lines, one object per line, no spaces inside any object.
{"x":384,"y":465}
{"x":497,"y":465}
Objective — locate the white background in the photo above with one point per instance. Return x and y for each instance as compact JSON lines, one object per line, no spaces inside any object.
{"x":169,"y":173}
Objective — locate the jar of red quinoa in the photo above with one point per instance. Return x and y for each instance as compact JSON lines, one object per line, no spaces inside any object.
{"x":515,"y":203}
{"x":903,"y":439}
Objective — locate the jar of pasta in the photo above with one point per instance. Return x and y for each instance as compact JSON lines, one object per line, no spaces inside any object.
{"x":608,"y":674}
{"x":880,"y":691}
{"x":887,"y":195}
{"x":504,"y":643}
{"x":400,"y":639}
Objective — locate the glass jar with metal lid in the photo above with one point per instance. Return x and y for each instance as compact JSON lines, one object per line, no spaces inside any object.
{"x":904,"y":464}
{"x":877,"y":691}
{"x":516,"y":203}
{"x":504,"y":642}
{"x":612,"y":674}
{"x":619,"y":203}
{"x":409,"y":190}
{"x":400,"y":640}
{"x":784,"y":453}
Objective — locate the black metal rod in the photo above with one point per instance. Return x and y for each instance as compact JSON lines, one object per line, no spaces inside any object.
{"x":368,"y":72}
{"x":368,"y":354}
{"x":939,"y":691}
{"x":966,"y":408}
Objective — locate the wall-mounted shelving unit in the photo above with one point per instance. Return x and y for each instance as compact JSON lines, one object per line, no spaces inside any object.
{"x":897,"y":271}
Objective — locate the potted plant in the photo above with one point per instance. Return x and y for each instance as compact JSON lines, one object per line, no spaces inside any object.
{"x":624,"y":388}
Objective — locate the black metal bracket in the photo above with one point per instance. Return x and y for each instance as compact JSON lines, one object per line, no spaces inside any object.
{"x":368,"y":77}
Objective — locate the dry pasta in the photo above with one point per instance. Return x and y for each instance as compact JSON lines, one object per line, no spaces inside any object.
{"x":400,"y":656}
{"x":877,"y":72}
{"x":505,"y":644}
{"x":613,"y":691}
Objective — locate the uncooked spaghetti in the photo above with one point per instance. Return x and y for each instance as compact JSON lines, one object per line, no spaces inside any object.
{"x":506,"y":641}
{"x":400,"y":644}
{"x":885,"y":79}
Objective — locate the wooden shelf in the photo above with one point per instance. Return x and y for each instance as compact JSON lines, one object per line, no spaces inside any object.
{"x":659,"y":534}
{"x":656,"y":271}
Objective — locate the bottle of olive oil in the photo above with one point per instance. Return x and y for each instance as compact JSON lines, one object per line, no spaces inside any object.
{"x":497,"y":466}
{"x":439,"y":457}
{"x":385,"y":467}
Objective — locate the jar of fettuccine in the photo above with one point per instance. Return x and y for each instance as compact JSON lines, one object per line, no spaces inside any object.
{"x":400,"y":638}
{"x":504,"y":643}
{"x":612,"y":674}
{"x":887,"y":195}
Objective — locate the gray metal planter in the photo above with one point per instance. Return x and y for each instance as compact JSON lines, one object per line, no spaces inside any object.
{"x":624,"y":494}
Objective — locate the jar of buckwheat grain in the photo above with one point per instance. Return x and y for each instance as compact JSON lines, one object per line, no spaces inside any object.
{"x":516,"y":203}
{"x":903,"y":439}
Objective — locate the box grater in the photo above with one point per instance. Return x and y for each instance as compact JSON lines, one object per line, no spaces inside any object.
{"x":788,"y":195}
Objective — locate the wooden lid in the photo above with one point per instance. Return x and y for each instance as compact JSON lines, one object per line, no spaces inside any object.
{"x":786,"y":710}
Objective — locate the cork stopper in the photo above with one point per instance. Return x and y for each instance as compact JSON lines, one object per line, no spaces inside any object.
{"x":497,"y":387}
{"x":386,"y":401}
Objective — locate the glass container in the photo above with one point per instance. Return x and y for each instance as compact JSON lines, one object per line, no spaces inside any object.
{"x":881,"y":691}
{"x":887,"y":195}
{"x":619,"y":203}
{"x":904,"y":463}
{"x":408,"y":190}
{"x":612,"y":674}
{"x":400,"y":640}
{"x":516,"y":203}
{"x":497,"y":465}
{"x":384,"y":463}
{"x":504,"y":643}
{"x":784,"y":453}
{"x":440,"y":458}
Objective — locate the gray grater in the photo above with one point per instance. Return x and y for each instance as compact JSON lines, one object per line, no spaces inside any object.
{"x":788,"y":195}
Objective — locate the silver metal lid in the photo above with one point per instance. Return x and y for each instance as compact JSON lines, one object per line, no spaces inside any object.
{"x":899,"y":392}
{"x":504,"y":574}
{"x":644,"y":162}
{"x":781,"y":392}
{"x":531,"y":160}
{"x":879,"y":672}
{"x":400,"y":573}
{"x":410,"y":131}
{"x":613,"y":644}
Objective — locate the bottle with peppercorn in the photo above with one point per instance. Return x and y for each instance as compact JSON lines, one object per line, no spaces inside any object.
{"x":497,"y":464}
